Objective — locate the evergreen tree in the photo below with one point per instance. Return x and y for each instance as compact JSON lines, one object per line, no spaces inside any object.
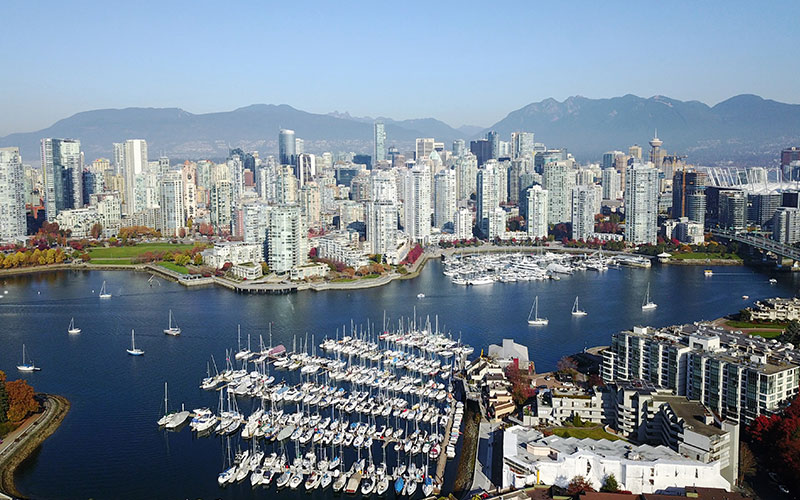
{"x":610,"y":484}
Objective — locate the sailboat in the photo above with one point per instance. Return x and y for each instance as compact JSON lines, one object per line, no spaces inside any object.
{"x":576,"y":311}
{"x":533,"y":316}
{"x":26,"y":367}
{"x":172,"y":330}
{"x":167,"y":415}
{"x":103,"y":293}
{"x":648,"y":305}
{"x":133,"y":351}
{"x":72,"y":328}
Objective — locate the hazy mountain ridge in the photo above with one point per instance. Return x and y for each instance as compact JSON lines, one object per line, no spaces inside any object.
{"x":744,"y":129}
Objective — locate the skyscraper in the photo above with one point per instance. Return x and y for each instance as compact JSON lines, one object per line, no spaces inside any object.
{"x":463,"y":224}
{"x":482,"y":150}
{"x":62,"y":167}
{"x":134,"y":168}
{"x":424,"y":148}
{"x":488,"y":197}
{"x":694,"y":182}
{"x":558,"y":178}
{"x":494,"y":144}
{"x":583,"y":211}
{"x":287,"y":147}
{"x":173,"y":215}
{"x":641,"y":203}
{"x":656,"y":154}
{"x":537,"y":224}
{"x":444,"y":194}
{"x":379,"y":153}
{"x":288,"y":240}
{"x":521,"y":144}
{"x":459,"y":147}
{"x":466,"y":175}
{"x":610,"y":181}
{"x":417,"y":203}
{"x":12,"y":195}
{"x":382,"y":229}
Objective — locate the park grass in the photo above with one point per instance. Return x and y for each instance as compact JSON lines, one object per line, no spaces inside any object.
{"x":174,"y":267}
{"x":135,"y":250}
{"x":704,"y":256}
{"x":583,"y":433}
{"x":747,"y":324}
{"x":111,"y":262}
{"x":767,"y":334}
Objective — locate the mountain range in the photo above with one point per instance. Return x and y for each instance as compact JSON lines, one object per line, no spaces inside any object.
{"x":745,"y":129}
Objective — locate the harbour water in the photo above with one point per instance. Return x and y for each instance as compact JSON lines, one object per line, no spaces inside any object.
{"x":109,"y":445}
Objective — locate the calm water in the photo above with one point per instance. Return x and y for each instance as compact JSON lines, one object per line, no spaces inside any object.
{"x":109,"y":446}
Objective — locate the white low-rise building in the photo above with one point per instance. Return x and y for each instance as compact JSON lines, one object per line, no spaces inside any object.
{"x":233,"y":252}
{"x":247,"y":271}
{"x":79,"y":221}
{"x":309,"y":271}
{"x":341,"y":246}
{"x":506,"y":353}
{"x":530,"y":458}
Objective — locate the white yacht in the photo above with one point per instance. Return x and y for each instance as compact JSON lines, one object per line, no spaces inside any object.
{"x":134,"y":351}
{"x":172,"y":329}
{"x":533,"y":316}
{"x":576,"y":310}
{"x":647,"y":304}
{"x":72,"y":328}
{"x":28,"y":366}
{"x":103,"y":293}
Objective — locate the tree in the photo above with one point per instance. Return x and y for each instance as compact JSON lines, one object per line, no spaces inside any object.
{"x":3,"y":398}
{"x":747,"y":462}
{"x":579,"y":484}
{"x":610,"y":484}
{"x":20,"y":400}
{"x":198,"y":259}
{"x":97,"y":230}
{"x":567,"y":365}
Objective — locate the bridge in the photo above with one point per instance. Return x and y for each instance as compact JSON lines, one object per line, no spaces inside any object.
{"x":760,"y":242}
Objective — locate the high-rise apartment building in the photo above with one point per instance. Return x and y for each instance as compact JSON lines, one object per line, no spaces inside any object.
{"x":558,"y":177}
{"x":288,"y":241}
{"x":462,"y":229}
{"x":538,"y":205}
{"x":610,"y":181}
{"x":685,"y":184}
{"x":482,"y":150}
{"x":786,"y":225}
{"x":444,"y":195}
{"x":132,"y":155}
{"x":424,"y":148}
{"x":459,"y":147}
{"x":466,"y":175}
{"x":382,"y":229}
{"x":521,"y":144}
{"x":173,"y":215}
{"x":583,"y":211}
{"x":189,"y":177}
{"x":417,"y":203}
{"x":12,"y":195}
{"x":383,"y":186}
{"x":494,"y":144}
{"x":641,"y":203}
{"x":287,"y":147}
{"x":379,"y":153}
{"x":488,"y":197}
{"x":255,"y":218}
{"x":62,"y":168}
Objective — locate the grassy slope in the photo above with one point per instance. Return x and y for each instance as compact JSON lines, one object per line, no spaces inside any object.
{"x":582,"y":433}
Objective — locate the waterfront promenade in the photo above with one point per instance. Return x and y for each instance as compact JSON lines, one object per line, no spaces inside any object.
{"x":18,"y":444}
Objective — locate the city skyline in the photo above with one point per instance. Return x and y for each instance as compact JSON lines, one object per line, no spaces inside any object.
{"x":521,"y":43}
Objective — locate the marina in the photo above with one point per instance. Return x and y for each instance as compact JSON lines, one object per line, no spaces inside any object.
{"x":323,"y":420}
{"x":117,"y":399}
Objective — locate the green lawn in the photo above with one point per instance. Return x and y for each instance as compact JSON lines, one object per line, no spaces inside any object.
{"x":767,"y":334}
{"x":112,"y":262}
{"x":583,"y":433}
{"x":747,"y":324}
{"x":123,"y":255}
{"x":704,"y":255}
{"x":174,"y":267}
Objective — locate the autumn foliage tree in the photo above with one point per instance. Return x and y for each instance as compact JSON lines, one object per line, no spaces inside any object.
{"x":21,"y":402}
{"x":579,"y":484}
{"x":776,"y":440}
{"x":3,"y":398}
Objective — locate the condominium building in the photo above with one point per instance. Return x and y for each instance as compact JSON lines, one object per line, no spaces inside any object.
{"x":62,"y":167}
{"x":538,"y":205}
{"x":583,"y":211}
{"x":736,"y":376}
{"x":558,"y":179}
{"x":382,"y":229}
{"x":444,"y":195}
{"x":641,"y":204}
{"x":462,"y":229}
{"x":288,"y":241}
{"x":417,"y":203}
{"x":12,"y":195}
{"x":173,"y":215}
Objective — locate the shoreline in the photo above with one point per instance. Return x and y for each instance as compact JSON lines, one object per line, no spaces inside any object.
{"x":29,"y":437}
{"x":263,"y":287}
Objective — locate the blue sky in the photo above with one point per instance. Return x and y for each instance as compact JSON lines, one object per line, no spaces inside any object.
{"x":462,"y":62}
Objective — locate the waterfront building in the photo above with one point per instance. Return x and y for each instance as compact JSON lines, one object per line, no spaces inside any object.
{"x":109,"y":205}
{"x":444,"y":194}
{"x":288,"y":240}
{"x":641,"y":204}
{"x":173,"y":215}
{"x":583,"y":210}
{"x":736,"y":379}
{"x":12,"y":195}
{"x":538,"y":205}
{"x":486,"y":375}
{"x":287,"y":147}
{"x":417,"y":203}
{"x":696,"y":207}
{"x":684,"y":186}
{"x":558,"y":179}
{"x":341,"y":246}
{"x":488,"y":196}
{"x":510,"y":352}
{"x":777,"y":309}
{"x":62,"y":169}
{"x":463,"y":224}
{"x":235,"y":252}
{"x":379,"y":153}
{"x":530,"y":457}
{"x":221,"y":206}
{"x":255,"y":222}
{"x":732,"y":210}
{"x":786,"y":225}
